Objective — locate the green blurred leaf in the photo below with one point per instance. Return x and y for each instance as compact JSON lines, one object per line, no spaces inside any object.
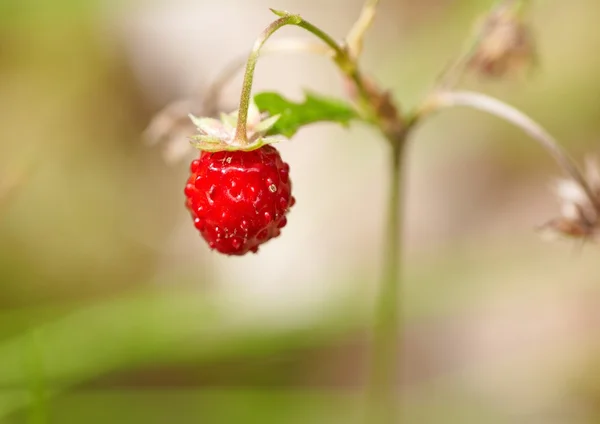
{"x":431,"y":403}
{"x":314,"y":108}
{"x":156,"y":327}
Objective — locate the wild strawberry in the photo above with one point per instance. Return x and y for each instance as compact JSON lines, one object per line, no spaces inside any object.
{"x":239,"y":199}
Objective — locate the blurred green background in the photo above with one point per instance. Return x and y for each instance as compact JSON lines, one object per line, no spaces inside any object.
{"x":113,"y":310}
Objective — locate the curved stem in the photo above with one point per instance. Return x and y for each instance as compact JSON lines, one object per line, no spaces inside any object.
{"x":533,"y":129}
{"x":342,"y":59}
{"x":231,"y":69}
{"x":241,"y":130}
{"x":176,"y":113}
{"x":326,"y":38}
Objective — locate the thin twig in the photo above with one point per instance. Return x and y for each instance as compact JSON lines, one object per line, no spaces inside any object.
{"x":207,"y":100}
{"x":387,"y":328}
{"x":356,"y":36}
{"x":286,"y":45}
{"x":516,"y":117}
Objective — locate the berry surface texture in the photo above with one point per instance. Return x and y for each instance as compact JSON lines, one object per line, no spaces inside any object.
{"x":239,"y":200}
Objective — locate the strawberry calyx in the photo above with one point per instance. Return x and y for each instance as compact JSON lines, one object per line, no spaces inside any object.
{"x":220,"y":135}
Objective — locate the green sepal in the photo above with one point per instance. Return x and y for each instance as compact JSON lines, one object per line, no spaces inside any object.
{"x":212,"y":144}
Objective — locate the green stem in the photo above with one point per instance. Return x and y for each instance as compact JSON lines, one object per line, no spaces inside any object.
{"x":326,"y":38}
{"x":241,"y":133}
{"x":342,"y":59}
{"x":519,"y":119}
{"x":231,"y":69}
{"x":386,"y":355}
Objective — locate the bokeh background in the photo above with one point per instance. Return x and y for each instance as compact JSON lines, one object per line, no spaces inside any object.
{"x":112,"y":309}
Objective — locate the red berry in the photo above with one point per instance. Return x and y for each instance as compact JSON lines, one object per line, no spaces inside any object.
{"x":238,"y":200}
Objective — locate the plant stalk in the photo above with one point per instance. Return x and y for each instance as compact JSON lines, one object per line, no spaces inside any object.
{"x":519,"y":119}
{"x":241,"y":133}
{"x":386,"y":351}
{"x":341,"y":57}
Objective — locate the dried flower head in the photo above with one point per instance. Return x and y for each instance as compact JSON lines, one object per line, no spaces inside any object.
{"x":505,"y":43}
{"x":218,"y":135}
{"x":580,"y":215}
{"x":170,"y":128}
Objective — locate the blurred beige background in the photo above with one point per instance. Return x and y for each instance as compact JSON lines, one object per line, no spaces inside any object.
{"x":499,"y":324}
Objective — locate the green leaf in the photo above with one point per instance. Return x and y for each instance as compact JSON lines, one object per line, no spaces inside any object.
{"x":315,"y":108}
